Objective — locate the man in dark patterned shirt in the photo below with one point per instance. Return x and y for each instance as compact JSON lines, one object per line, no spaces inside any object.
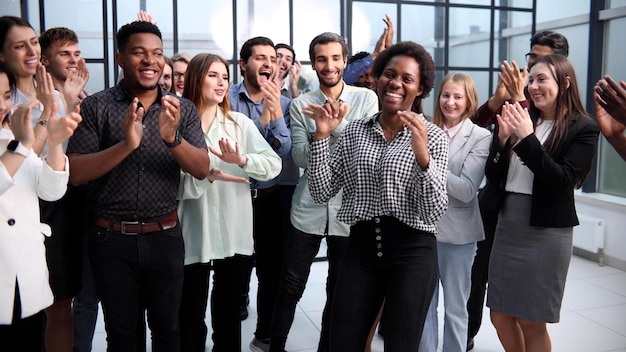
{"x":134,"y":140}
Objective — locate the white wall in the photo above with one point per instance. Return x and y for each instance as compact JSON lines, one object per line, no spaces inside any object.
{"x":613,"y":211}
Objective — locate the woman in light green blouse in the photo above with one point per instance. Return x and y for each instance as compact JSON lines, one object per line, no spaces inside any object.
{"x":217,"y":216}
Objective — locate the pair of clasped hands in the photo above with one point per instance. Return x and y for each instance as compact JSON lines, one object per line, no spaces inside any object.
{"x":327,"y":116}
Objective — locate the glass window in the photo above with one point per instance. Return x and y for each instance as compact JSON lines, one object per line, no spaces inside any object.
{"x":96,"y":78}
{"x":511,"y":36}
{"x":429,"y":31}
{"x":368,"y":25}
{"x":472,"y":2}
{"x":515,"y":3}
{"x":88,"y":26}
{"x":206,"y":26}
{"x":314,"y":17}
{"x":469,"y":37}
{"x":10,"y":8}
{"x":578,"y":38}
{"x":617,"y":3}
{"x":611,"y":167}
{"x":556,"y":10}
{"x":256,"y":18}
{"x":162,"y":15}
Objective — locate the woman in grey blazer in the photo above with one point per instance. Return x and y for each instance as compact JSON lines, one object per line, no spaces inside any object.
{"x":461,"y":226}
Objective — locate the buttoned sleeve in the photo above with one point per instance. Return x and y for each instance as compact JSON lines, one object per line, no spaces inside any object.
{"x":325,"y":176}
{"x":432,"y":199}
{"x":465,"y":185}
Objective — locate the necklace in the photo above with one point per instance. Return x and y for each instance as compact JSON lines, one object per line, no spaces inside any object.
{"x":388,"y":132}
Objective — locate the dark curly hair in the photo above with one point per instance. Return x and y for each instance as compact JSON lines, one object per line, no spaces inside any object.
{"x":416,"y":51}
{"x":124,"y":33}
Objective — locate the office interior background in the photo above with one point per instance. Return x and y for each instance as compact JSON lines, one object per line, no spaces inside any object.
{"x":471,"y":36}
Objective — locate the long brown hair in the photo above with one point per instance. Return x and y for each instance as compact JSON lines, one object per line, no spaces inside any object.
{"x":471,"y":95}
{"x":568,"y":102}
{"x":194,"y":78}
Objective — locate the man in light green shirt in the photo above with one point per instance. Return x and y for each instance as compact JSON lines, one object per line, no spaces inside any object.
{"x":328,"y":53}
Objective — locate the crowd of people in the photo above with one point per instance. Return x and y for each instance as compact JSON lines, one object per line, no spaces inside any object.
{"x":133,"y":196}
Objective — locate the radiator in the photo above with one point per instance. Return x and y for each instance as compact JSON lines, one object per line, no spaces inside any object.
{"x":589,"y":236}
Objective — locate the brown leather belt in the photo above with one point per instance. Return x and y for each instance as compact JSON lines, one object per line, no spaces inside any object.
{"x":256,"y":192}
{"x":165,"y":222}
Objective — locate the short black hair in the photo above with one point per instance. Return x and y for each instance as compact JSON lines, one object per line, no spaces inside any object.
{"x":57,"y":35}
{"x":358,"y":56}
{"x":246,"y":49}
{"x":124,"y":33}
{"x":325,"y":38}
{"x":554,"y":40}
{"x":288,"y":47}
{"x":416,"y":51}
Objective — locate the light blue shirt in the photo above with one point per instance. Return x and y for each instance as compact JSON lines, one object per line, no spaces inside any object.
{"x":306,"y":215}
{"x":240,"y":101}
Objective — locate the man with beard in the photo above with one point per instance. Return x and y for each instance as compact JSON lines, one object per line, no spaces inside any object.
{"x":259,"y":98}
{"x":289,"y":71}
{"x":329,"y":54}
{"x":131,"y":146}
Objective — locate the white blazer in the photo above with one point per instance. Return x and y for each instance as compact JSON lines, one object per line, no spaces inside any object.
{"x":22,"y":251}
{"x":467,"y":155}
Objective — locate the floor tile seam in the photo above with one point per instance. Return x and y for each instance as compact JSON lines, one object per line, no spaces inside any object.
{"x":603,"y":326}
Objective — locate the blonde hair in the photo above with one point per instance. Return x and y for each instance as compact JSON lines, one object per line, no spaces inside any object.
{"x":471,"y":95}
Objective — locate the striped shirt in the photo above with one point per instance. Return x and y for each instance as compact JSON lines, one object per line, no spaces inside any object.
{"x":380,"y":178}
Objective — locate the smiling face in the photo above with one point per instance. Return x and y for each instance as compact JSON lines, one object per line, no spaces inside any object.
{"x":180,"y":67}
{"x":215,"y":83}
{"x":543,"y":88}
{"x":329,"y":63}
{"x":367,"y":80}
{"x":142,"y":61}
{"x":5,"y":98}
{"x":260,"y":67}
{"x":284,"y":61}
{"x":399,"y":84}
{"x":165,"y":81}
{"x":60,"y":59}
{"x":453,"y":103}
{"x":21,"y":51}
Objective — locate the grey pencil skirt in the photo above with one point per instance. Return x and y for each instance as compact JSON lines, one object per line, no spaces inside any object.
{"x":528,"y":264}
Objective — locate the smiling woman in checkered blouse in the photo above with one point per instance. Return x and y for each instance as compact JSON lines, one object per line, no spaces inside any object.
{"x":392,"y":167}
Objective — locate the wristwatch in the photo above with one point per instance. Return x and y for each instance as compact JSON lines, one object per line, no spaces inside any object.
{"x":17,"y":148}
{"x":176,"y":141}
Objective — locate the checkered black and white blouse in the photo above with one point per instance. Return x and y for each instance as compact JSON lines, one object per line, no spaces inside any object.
{"x":380,"y":178}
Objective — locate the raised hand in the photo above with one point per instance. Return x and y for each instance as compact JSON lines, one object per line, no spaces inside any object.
{"x":517,"y":119}
{"x":169,"y":117}
{"x":513,"y":80}
{"x":74,"y":86}
{"x":229,"y":154}
{"x":419,"y":136}
{"x":145,"y":17}
{"x":272,"y":110}
{"x":389,"y":34}
{"x":294,"y":73}
{"x":133,"y":124}
{"x":61,"y":129}
{"x":612,"y":97}
{"x":45,"y":88}
{"x":22,"y":125}
{"x":610,"y":127}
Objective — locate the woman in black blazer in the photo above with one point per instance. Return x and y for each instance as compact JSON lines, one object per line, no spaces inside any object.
{"x":540,"y":156}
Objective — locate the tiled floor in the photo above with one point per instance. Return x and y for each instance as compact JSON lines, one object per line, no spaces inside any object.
{"x":593,"y":317}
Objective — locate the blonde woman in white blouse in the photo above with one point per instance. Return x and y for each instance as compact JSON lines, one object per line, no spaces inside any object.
{"x":217,"y":216}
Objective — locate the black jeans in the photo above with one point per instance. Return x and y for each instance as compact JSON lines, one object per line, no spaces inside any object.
{"x":386,"y":260}
{"x":301,"y":251}
{"x":480,"y":268}
{"x":133,"y":271}
{"x":268,"y":254}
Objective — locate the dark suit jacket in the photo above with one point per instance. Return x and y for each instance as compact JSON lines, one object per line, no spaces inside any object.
{"x":555,"y":174}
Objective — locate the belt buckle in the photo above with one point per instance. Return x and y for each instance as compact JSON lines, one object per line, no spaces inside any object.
{"x":123,"y":227}
{"x":255,"y":193}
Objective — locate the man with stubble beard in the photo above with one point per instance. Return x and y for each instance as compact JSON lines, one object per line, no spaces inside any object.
{"x":259,"y":98}
{"x":312,"y":221}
